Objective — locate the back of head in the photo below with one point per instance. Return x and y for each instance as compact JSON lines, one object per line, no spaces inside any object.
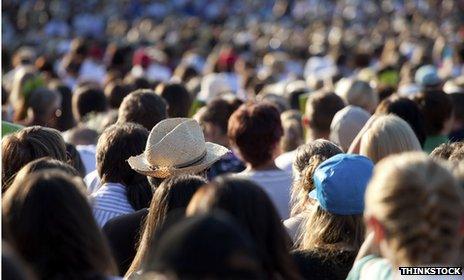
{"x":178,"y":98}
{"x":191,"y":249}
{"x":406,"y":109}
{"x":449,"y":152}
{"x":388,"y":135}
{"x":418,"y":203}
{"x":357,"y":93}
{"x":293,"y":130}
{"x":115,"y":93}
{"x":437,"y":109}
{"x":321,"y":107}
{"x":346,"y":124}
{"x":218,"y":112}
{"x":53,"y":229}
{"x":44,"y":103}
{"x":143,"y":107}
{"x":27,"y":145}
{"x":88,"y":100}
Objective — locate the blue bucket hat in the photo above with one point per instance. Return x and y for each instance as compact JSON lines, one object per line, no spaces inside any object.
{"x":340,"y":183}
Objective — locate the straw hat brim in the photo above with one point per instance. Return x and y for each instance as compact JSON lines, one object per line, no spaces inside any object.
{"x":214,"y":152}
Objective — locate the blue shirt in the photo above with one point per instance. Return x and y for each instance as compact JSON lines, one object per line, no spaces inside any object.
{"x":110,"y":201}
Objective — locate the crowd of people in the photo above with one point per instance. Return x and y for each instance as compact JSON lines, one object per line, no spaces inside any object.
{"x":199,"y":139}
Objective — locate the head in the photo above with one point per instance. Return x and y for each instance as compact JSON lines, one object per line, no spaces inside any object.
{"x":293,"y":130}
{"x":88,"y":100}
{"x":335,"y":222}
{"x":437,"y":109}
{"x":178,"y":98}
{"x":252,"y":208}
{"x":357,"y":93}
{"x":406,"y":109}
{"x":69,"y":245}
{"x":214,"y":119}
{"x":173,"y":194}
{"x":191,"y":249}
{"x":321,"y":107}
{"x":254,"y":130}
{"x":44,"y":107}
{"x":449,"y":152}
{"x":112,"y":154}
{"x":25,"y":80}
{"x":307,"y":159}
{"x":66,"y":119}
{"x":415,"y":209}
{"x":115,"y":93}
{"x":458,"y":110}
{"x":143,"y":107}
{"x":47,"y":163}
{"x":29,"y":144}
{"x":346,"y":124}
{"x":388,"y":135}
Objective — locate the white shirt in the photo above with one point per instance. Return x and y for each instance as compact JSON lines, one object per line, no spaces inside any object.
{"x":276,"y":183}
{"x":285,"y":161}
{"x":294,"y":224}
{"x":92,"y":180}
{"x":110,"y":201}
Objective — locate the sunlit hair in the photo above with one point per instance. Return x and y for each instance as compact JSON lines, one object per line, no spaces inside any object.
{"x":25,"y":81}
{"x":308,"y":157}
{"x":357,"y":93}
{"x":420,"y":206}
{"x":388,"y":135}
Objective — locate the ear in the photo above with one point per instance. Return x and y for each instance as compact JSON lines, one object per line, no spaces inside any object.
{"x":306,"y":121}
{"x":375,"y":226}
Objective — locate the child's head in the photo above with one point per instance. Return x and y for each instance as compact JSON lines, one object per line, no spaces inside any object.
{"x":415,"y":208}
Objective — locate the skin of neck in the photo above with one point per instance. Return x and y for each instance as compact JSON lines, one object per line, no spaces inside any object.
{"x":312,"y":134}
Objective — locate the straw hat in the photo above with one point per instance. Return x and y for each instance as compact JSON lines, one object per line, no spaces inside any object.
{"x":176,"y":146}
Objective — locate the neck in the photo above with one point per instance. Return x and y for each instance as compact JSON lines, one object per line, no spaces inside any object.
{"x":270,"y":165}
{"x":312,"y":135}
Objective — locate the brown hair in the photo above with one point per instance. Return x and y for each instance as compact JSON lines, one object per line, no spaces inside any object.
{"x":143,"y":107}
{"x":293,"y":130}
{"x":26,"y":145}
{"x":218,"y":112}
{"x":308,"y":157}
{"x":449,"y":151}
{"x":178,"y":98}
{"x":255,"y":129}
{"x":437,"y":108}
{"x":172,"y":194}
{"x":321,"y":107}
{"x":52,"y":227}
{"x":86,"y":100}
{"x":116,"y":144}
{"x":420,"y":206}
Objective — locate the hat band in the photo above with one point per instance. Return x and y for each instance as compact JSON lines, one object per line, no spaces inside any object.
{"x":193,"y":161}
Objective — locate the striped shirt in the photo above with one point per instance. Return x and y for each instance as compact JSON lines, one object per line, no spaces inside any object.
{"x":110,"y":201}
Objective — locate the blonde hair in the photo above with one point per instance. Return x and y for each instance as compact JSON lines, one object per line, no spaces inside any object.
{"x":357,"y":93}
{"x":420,"y":206}
{"x":307,"y":159}
{"x":293,"y":130}
{"x":388,"y":135}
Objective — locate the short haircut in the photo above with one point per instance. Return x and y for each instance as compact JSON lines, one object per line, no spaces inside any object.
{"x":87,"y":100}
{"x":178,"y":98}
{"x":437,"y":109}
{"x":255,"y":129}
{"x":115,"y":93}
{"x":29,"y":144}
{"x":41,"y":100}
{"x":218,"y":112}
{"x":357,"y":93}
{"x":143,"y":107}
{"x":321,"y":107}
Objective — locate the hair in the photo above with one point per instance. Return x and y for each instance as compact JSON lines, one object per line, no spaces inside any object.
{"x":321,"y":107}
{"x":406,"y":109}
{"x":47,"y":163}
{"x":326,"y":233}
{"x":420,"y":206}
{"x":178,"y":98}
{"x":437,"y":108}
{"x":218,"y":112}
{"x":293,"y":130}
{"x":52,"y":227}
{"x":308,"y":157}
{"x":357,"y":93}
{"x":75,"y":159}
{"x":449,"y":152}
{"x":255,"y":129}
{"x":254,"y":210}
{"x":458,"y":106}
{"x":25,"y":81}
{"x":87,"y":100}
{"x":115,"y":93}
{"x":143,"y":107}
{"x":172,"y":194}
{"x":41,"y":103}
{"x":388,"y":135}
{"x":81,"y":135}
{"x":116,"y":144}
{"x":26,"y":145}
{"x":66,"y":120}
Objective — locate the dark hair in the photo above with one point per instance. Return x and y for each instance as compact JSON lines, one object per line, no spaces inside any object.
{"x":321,"y":107}
{"x":87,"y":100}
{"x":143,"y":107}
{"x":437,"y":108}
{"x":75,"y":159}
{"x":26,"y":145}
{"x":47,"y":163}
{"x":407,"y":110}
{"x":178,"y":98}
{"x":458,"y":105}
{"x":254,"y":210}
{"x":185,"y":72}
{"x":52,"y":227}
{"x":12,"y":266}
{"x":66,"y":120}
{"x":116,"y":144}
{"x":115,"y":93}
{"x":41,"y":102}
{"x":172,"y":194}
{"x":255,"y":129}
{"x":218,"y":112}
